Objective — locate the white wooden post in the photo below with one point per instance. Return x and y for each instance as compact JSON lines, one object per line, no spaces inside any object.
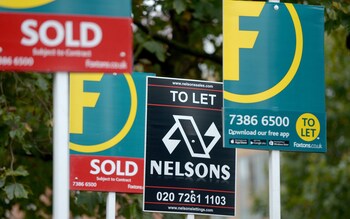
{"x":190,"y":216}
{"x":274,"y":177}
{"x":60,"y":146}
{"x":110,"y":205}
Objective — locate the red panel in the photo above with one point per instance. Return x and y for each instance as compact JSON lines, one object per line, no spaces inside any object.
{"x":103,"y":173}
{"x":40,"y":42}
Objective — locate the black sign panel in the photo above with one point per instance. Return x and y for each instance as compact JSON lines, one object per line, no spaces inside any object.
{"x":187,"y":170}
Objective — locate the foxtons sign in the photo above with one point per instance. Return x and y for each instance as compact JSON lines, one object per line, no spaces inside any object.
{"x":38,"y":40}
{"x":279,"y":102}
{"x":107,"y":131}
{"x":186,"y":168}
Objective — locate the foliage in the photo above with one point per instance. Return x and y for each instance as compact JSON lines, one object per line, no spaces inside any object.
{"x":316,"y":185}
{"x":180,"y":38}
{"x":25,"y":139}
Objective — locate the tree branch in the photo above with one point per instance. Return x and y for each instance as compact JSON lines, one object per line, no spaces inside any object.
{"x":179,"y":46}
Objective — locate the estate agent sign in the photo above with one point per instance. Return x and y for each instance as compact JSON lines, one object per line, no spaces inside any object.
{"x":107,"y":126}
{"x":274,"y":86}
{"x":64,"y":35}
{"x":187,"y":170}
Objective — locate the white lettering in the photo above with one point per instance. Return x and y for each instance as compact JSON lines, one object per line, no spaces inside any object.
{"x":167,"y":168}
{"x":118,"y":169}
{"x":189,"y":169}
{"x":203,"y":98}
{"x":156,"y":166}
{"x":178,"y":169}
{"x":225,"y":171}
{"x":43,"y":35}
{"x":33,"y":37}
{"x":201,"y":170}
{"x":131,"y":165}
{"x":112,"y":167}
{"x":109,"y":167}
{"x":89,"y":26}
{"x":204,"y":172}
{"x":64,"y":33}
{"x":69,"y":35}
{"x":93,"y":164}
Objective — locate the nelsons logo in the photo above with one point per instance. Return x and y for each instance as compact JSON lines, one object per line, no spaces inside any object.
{"x":171,"y":144}
{"x":190,"y":135}
{"x":23,"y":4}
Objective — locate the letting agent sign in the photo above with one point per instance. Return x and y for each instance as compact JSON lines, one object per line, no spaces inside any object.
{"x":277,"y":103}
{"x":64,"y":36}
{"x":187,"y":170}
{"x":107,"y":124}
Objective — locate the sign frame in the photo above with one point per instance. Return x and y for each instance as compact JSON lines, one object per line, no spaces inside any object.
{"x":167,"y":117}
{"x":62,"y":35}
{"x":107,"y":158}
{"x":277,"y":87}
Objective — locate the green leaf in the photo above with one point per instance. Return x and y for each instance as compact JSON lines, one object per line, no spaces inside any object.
{"x":20,"y":171}
{"x":156,"y":48}
{"x":89,"y":200}
{"x":42,"y":83}
{"x":15,"y":190}
{"x":2,"y":181}
{"x":13,"y":133}
{"x":179,"y":6}
{"x":2,"y":99}
{"x":17,"y":133}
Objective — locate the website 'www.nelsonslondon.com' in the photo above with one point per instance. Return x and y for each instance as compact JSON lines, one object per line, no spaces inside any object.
{"x":192,"y":209}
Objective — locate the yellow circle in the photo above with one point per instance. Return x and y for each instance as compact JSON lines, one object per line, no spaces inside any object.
{"x":308,"y":127}
{"x":280,"y":86}
{"x":122,"y":133}
{"x":22,"y":4}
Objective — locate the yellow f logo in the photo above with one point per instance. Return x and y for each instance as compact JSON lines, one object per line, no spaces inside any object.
{"x":234,"y":39}
{"x":80,"y":99}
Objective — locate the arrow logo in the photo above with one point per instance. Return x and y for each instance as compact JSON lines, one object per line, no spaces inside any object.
{"x":171,"y":144}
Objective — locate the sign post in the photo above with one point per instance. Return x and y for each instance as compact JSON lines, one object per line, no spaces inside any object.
{"x":110,"y":205}
{"x":274,"y":175}
{"x":60,"y":146}
{"x":186,"y":168}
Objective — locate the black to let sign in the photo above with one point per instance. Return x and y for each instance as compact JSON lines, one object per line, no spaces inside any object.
{"x":187,"y":170}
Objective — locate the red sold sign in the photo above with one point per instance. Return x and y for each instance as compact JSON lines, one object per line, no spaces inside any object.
{"x":106,"y":173}
{"x":40,"y":42}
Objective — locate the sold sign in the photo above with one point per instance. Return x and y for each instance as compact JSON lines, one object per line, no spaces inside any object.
{"x":273,"y":71}
{"x":107,"y":125}
{"x":61,"y":35}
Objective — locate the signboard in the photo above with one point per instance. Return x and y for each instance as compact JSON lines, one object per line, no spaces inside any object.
{"x":110,"y":8}
{"x":37,"y":40}
{"x":107,"y":125}
{"x":274,"y":87}
{"x":186,"y":168}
